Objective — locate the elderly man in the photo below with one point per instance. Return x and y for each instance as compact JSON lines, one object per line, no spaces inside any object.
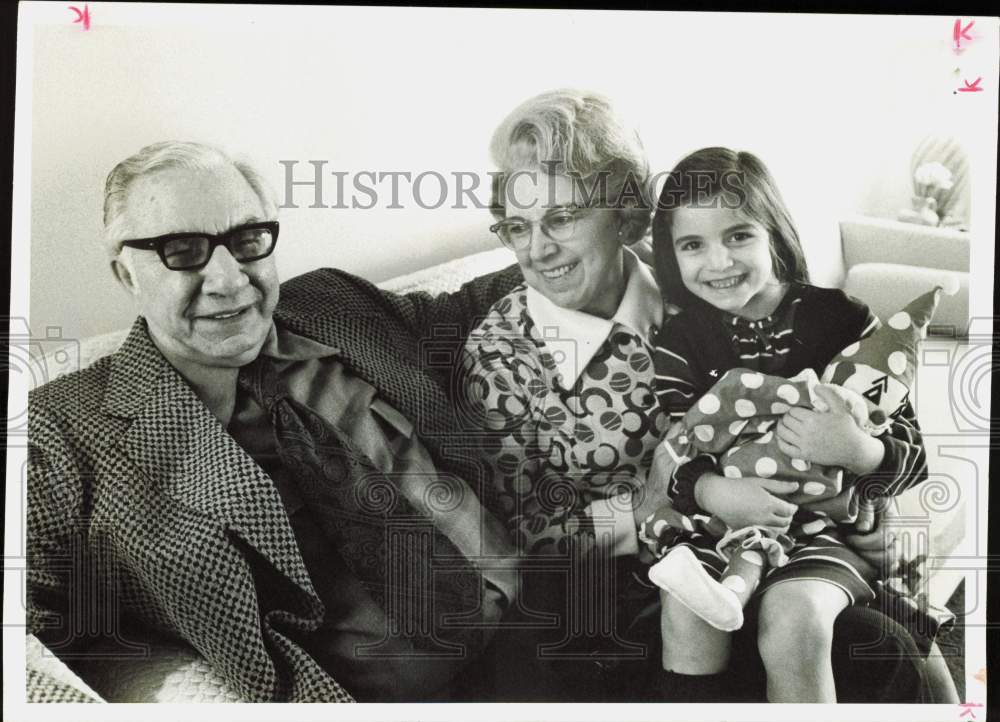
{"x":279,"y":484}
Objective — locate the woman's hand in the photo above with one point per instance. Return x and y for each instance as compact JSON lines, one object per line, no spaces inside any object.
{"x":649,"y":498}
{"x":879,"y":547}
{"x":749,"y":501}
{"x":830,"y":437}
{"x":643,"y":248}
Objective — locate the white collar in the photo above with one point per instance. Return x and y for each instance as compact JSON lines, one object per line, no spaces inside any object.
{"x":579,"y":335}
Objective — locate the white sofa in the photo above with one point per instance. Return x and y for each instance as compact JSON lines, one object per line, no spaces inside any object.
{"x":933,"y":517}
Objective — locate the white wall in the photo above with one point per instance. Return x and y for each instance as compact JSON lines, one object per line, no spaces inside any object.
{"x":833,"y":104}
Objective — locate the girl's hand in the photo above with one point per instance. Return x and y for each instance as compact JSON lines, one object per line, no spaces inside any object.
{"x":749,"y":501}
{"x":829,"y":437}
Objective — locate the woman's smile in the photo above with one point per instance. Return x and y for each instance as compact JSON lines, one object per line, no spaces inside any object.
{"x":559,"y":272}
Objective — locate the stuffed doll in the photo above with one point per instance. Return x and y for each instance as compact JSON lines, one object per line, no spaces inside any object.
{"x":734,"y":421}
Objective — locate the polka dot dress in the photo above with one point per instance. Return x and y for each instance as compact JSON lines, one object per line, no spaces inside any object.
{"x":735,"y":422}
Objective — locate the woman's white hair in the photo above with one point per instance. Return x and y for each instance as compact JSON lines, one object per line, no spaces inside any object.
{"x":576,"y":133}
{"x":164,"y":156}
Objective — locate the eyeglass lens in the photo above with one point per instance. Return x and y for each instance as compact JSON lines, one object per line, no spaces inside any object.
{"x":246,"y":244}
{"x":517,"y":232}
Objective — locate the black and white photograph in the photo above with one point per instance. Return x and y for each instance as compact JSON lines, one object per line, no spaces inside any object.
{"x":444,"y":359}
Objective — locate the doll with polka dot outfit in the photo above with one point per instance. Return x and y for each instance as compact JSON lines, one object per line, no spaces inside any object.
{"x":726,"y":252}
{"x":735,"y":422}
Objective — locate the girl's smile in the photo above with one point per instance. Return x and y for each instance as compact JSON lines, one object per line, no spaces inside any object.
{"x":727,"y":283}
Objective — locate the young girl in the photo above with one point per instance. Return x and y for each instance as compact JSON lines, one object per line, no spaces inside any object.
{"x":728,"y":255}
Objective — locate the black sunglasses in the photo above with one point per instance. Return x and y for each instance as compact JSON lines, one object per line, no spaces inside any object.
{"x":192,"y":251}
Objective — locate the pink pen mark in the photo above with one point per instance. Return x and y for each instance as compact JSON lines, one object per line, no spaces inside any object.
{"x":971,"y":88}
{"x":967,"y":709}
{"x":959,"y":33}
{"x":82,"y":17}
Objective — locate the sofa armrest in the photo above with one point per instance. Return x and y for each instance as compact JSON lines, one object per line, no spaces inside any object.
{"x":169,"y":672}
{"x":48,"y":679}
{"x":879,"y":240}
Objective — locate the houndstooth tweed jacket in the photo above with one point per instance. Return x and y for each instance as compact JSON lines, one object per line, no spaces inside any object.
{"x":141,"y":508}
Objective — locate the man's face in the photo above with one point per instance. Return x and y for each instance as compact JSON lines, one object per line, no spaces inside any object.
{"x":219,"y":315}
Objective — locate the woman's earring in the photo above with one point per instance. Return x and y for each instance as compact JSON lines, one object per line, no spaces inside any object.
{"x":622,"y":237}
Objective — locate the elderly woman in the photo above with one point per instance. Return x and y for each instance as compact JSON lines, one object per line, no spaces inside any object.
{"x":561,"y":364}
{"x":559,"y":375}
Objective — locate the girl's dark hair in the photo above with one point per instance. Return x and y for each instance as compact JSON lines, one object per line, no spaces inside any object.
{"x":720,"y":177}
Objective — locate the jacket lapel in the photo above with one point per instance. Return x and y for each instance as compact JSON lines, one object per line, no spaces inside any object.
{"x":177,"y":442}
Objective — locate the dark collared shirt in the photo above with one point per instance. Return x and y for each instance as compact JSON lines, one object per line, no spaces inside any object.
{"x":354,"y":644}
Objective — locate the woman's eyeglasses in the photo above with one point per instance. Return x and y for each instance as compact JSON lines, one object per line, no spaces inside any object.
{"x":515,"y":233}
{"x":192,"y":251}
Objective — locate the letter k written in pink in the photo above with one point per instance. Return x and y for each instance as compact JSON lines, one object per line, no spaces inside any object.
{"x":960,"y":33}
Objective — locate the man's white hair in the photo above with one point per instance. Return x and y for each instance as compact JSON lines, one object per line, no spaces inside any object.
{"x":164,"y":156}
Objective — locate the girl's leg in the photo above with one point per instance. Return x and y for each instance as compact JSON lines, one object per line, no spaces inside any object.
{"x":695,"y":657}
{"x":795,"y":638}
{"x":743,"y":573}
{"x":690,"y":645}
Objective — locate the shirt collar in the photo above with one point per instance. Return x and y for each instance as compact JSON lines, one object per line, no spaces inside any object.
{"x":284,"y":345}
{"x":640,"y":310}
